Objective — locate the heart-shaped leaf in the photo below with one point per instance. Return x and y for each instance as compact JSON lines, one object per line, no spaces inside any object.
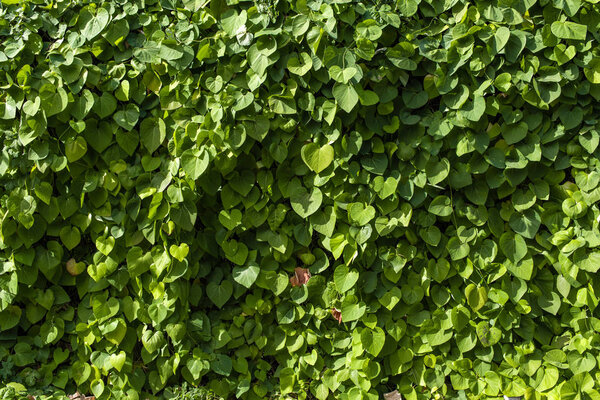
{"x":345,"y":96}
{"x":194,"y":163}
{"x":219,"y":293}
{"x":513,"y":246}
{"x":70,"y":236}
{"x":153,"y":341}
{"x":94,"y":26}
{"x":9,"y":317}
{"x":300,"y":64}
{"x":127,"y":118}
{"x":360,"y":213}
{"x":97,"y":387}
{"x":60,"y":355}
{"x":230,"y":219}
{"x":117,"y":361}
{"x":138,"y":261}
{"x":235,"y":251}
{"x":476,"y":296}
{"x":75,"y":268}
{"x":306,"y":203}
{"x":105,"y":105}
{"x":373,"y":340}
{"x":105,"y":244}
{"x":345,"y":278}
{"x":153,"y":133}
{"x":353,"y":311}
{"x":317,"y":158}
{"x":179,"y":252}
{"x":75,"y":148}
{"x":246,"y":275}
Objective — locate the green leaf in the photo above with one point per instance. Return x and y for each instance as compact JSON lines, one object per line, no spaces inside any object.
{"x":345,"y":96}
{"x":117,"y":361}
{"x":476,"y":296}
{"x":569,"y":30}
{"x":195,"y":162}
{"x":306,"y":203}
{"x":457,"y":249}
{"x":219,"y":293}
{"x":9,"y":317}
{"x":323,"y":221}
{"x":441,"y":206}
{"x":117,"y":32}
{"x":373,"y":340}
{"x":353,"y":311}
{"x":75,"y":148}
{"x":138,"y":261}
{"x":521,"y":269}
{"x":43,"y":191}
{"x":179,"y":252}
{"x":230,"y":219}
{"x":153,"y":341}
{"x":287,"y":379}
{"x":97,"y":387}
{"x":246,"y":275}
{"x":105,"y":105}
{"x":549,"y":379}
{"x":70,"y":236}
{"x":152,"y":133}
{"x":501,"y":38}
{"x":128,"y":118}
{"x":345,"y":278}
{"x":592,"y":71}
{"x":513,"y":246}
{"x":391,"y":298}
{"x":282,"y":104}
{"x":488,"y":335}
{"x":514,"y":133}
{"x":408,"y":8}
{"x":589,"y":262}
{"x":94,"y":27}
{"x":317,"y":158}
{"x":550,"y":302}
{"x":438,"y":171}
{"x":414,"y":100}
{"x":360,"y":214}
{"x":439,"y":269}
{"x":299,"y":64}
{"x":526,"y":224}
{"x":105,"y":244}
{"x":236,"y":252}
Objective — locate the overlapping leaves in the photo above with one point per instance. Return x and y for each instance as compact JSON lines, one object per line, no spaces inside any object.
{"x":321,"y":199}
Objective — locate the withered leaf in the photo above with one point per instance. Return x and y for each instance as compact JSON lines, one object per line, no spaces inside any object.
{"x":395,"y":395}
{"x":301,"y":276}
{"x":337,"y":314}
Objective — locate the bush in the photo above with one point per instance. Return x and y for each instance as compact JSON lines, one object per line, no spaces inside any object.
{"x":304,"y":199}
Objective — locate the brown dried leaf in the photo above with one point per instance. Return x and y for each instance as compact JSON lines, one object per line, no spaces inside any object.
{"x":337,"y":314}
{"x":80,"y":396}
{"x":301,"y":276}
{"x":395,"y":395}
{"x":294,"y":281}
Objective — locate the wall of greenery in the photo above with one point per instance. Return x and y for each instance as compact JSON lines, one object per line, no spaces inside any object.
{"x":313,"y":199}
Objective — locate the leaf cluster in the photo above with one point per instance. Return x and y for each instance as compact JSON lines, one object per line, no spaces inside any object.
{"x":300,"y":199}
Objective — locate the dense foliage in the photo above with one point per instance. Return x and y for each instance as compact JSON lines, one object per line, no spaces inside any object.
{"x":311,"y":198}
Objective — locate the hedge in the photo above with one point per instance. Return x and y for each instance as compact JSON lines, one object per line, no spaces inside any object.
{"x":310,"y":199}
